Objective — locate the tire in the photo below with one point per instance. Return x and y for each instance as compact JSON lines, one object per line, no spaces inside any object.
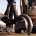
{"x":17,"y":30}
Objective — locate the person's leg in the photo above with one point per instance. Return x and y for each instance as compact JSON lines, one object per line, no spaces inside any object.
{"x":7,"y":10}
{"x":11,"y":15}
{"x":26,"y":9}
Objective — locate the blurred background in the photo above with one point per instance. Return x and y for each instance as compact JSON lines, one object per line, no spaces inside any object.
{"x":3,"y":7}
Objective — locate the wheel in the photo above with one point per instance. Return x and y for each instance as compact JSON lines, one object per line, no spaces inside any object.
{"x":29,"y":33}
{"x":17,"y":30}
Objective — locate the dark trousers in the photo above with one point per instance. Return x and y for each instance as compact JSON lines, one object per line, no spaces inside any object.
{"x":7,"y":10}
{"x":30,"y":3}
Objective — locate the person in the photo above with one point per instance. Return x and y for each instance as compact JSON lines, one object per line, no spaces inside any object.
{"x":30,"y":3}
{"x":10,"y":2}
{"x":29,"y":9}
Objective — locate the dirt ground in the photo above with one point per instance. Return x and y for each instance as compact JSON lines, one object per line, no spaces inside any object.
{"x":14,"y":34}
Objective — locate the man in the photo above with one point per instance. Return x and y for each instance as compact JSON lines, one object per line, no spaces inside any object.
{"x":29,"y":9}
{"x":10,"y":2}
{"x":30,"y":3}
